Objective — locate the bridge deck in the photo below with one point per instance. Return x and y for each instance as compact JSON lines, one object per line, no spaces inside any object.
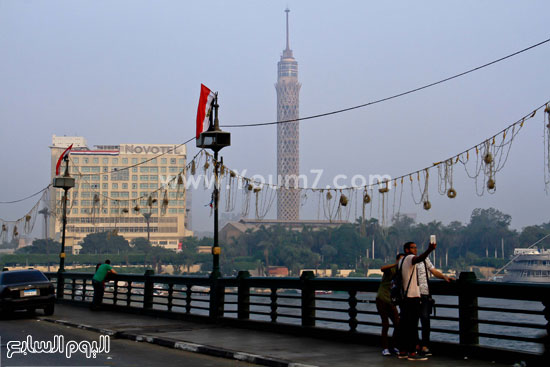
{"x":228,"y":342}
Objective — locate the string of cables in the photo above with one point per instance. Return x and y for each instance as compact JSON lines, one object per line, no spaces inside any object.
{"x":395,"y":95}
{"x":322,"y":114}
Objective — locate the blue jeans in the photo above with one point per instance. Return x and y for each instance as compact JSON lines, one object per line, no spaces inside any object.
{"x":99,"y":290}
{"x":408,"y":325}
{"x":425,"y":311}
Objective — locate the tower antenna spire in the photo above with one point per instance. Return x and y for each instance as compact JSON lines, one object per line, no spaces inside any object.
{"x":287,"y":10}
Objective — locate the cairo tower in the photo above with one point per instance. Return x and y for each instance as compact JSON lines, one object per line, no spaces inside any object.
{"x":288,"y":134}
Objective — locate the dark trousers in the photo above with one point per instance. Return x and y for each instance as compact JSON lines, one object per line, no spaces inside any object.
{"x":425,"y":311}
{"x":99,"y":290}
{"x":387,"y":312}
{"x":408,"y":325}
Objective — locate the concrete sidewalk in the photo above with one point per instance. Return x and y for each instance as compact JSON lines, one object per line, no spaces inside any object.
{"x":258,"y":347}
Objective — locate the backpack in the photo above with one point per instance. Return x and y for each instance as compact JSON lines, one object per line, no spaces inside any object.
{"x":397,"y":292}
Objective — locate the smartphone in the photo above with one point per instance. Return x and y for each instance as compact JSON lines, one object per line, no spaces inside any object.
{"x":432,"y":239}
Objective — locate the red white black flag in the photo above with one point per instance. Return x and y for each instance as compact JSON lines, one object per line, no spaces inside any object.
{"x":204,"y":110}
{"x":63,"y":155}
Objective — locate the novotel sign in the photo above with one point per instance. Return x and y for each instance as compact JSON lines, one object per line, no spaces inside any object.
{"x":150,"y":149}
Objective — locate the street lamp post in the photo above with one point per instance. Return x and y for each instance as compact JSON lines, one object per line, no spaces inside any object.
{"x":215,"y":139}
{"x":147,"y":217}
{"x":45,"y":212}
{"x":65,"y":182}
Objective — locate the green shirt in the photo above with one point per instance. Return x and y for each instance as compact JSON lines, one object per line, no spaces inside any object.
{"x":101,"y":272}
{"x":385,"y":285}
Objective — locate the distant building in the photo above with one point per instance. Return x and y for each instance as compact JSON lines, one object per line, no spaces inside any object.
{"x":277,"y":271}
{"x":115,"y":186}
{"x":288,"y":134}
{"x":234,"y":230}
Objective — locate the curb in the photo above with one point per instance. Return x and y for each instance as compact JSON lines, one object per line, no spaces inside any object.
{"x":185,"y":346}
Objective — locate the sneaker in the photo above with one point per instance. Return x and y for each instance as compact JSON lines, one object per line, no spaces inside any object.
{"x":402,"y":355}
{"x":386,"y":352}
{"x":416,"y":357}
{"x":425,"y":351}
{"x":395,"y":351}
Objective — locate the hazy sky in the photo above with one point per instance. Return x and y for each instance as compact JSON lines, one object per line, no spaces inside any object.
{"x":130,"y":72}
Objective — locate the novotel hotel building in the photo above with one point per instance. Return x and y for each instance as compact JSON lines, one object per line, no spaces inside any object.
{"x":121,"y":188}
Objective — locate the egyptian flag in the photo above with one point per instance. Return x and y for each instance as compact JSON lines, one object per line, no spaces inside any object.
{"x":65,"y":154}
{"x":205,"y":107}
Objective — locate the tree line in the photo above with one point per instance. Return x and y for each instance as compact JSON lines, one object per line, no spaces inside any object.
{"x":487,"y":240}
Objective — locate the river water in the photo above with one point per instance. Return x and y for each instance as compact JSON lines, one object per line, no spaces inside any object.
{"x":366,"y":303}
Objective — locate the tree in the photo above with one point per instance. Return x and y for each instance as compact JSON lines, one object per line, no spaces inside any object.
{"x":140,"y":244}
{"x":41,"y":246}
{"x":104,"y":243}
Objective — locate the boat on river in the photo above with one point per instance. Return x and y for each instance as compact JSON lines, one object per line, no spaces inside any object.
{"x":530,"y":265}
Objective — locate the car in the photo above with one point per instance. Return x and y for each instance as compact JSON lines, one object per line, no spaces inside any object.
{"x":26,"y":290}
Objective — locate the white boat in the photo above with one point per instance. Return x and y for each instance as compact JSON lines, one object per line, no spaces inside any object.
{"x":530,"y":265}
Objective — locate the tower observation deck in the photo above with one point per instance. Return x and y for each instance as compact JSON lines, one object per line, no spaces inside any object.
{"x":288,"y":134}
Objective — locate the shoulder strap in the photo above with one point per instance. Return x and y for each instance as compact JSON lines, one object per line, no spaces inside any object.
{"x":412,"y":272}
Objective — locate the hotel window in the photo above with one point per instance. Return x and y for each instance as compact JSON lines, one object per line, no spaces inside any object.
{"x":75,"y":160}
{"x":173,"y":169}
{"x":134,"y":169}
{"x":181,"y":161}
{"x":134,"y":177}
{"x":105,"y":169}
{"x":105,"y":160}
{"x":153,"y":169}
{"x":153,"y":178}
{"x":114,"y":186}
{"x":162,"y":169}
{"x":163,"y":160}
{"x":95,"y":160}
{"x":134,"y":186}
{"x":143,"y":186}
{"x":115,"y":160}
{"x":105,"y":186}
{"x":86,"y":160}
{"x":172,"y":160}
{"x":154,"y":160}
{"x":153,"y":186}
{"x":124,"y":160}
{"x":143,"y":160}
{"x":144,"y":169}
{"x":106,"y":177}
{"x":94,"y":186}
{"x":124,"y":185}
{"x":134,"y":160}
{"x":144,"y":178}
{"x":86,"y":194}
{"x":85,"y":169}
{"x":134,"y":194}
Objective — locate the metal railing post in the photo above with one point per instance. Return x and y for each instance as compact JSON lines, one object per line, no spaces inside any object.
{"x":148,"y":289}
{"x":243,"y":296}
{"x":352,"y":311}
{"x":308,"y":299}
{"x":217,"y":298}
{"x":60,"y":285}
{"x":467,"y":310}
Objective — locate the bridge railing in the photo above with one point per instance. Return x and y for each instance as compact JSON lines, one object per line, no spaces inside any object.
{"x":486,"y":319}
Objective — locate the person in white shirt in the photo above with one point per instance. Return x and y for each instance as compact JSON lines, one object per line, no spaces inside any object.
{"x":410,"y":308}
{"x":424,"y":268}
